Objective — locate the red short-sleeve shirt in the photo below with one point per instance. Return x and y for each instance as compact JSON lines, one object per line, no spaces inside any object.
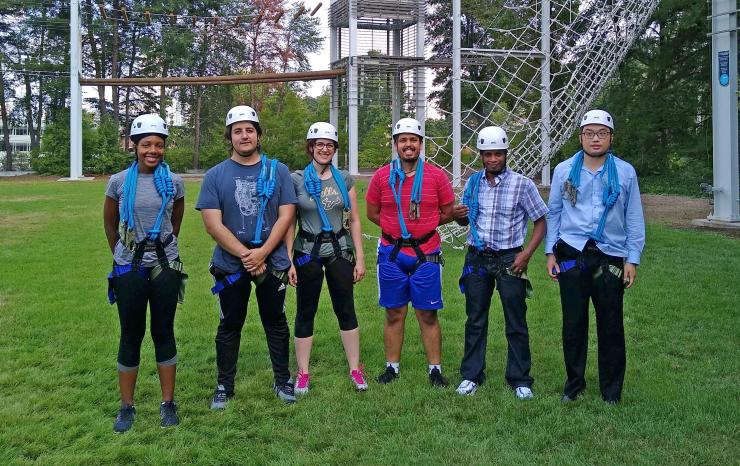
{"x":436,"y":192}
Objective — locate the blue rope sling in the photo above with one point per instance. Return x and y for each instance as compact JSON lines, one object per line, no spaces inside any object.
{"x":165,"y":188}
{"x":470,"y":199}
{"x":609,"y":195}
{"x":312,"y":182}
{"x":265,"y":189}
{"x":397,"y":174}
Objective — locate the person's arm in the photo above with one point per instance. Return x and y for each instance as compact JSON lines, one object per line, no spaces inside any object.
{"x":355,"y":229}
{"x":289,"y":242}
{"x":635,"y":226}
{"x":373,"y":213}
{"x":555,"y":208}
{"x":213,"y":221}
{"x":521,"y":261}
{"x":110,"y":221}
{"x":254,"y":259}
{"x":446,"y":213}
{"x":178,"y":211}
{"x":460,"y":211}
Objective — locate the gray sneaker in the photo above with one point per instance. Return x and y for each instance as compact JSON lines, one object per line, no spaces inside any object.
{"x":285,"y":392}
{"x":220,"y":397}
{"x":168,"y":414}
{"x":124,"y":419}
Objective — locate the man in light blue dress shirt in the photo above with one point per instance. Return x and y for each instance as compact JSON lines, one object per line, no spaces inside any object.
{"x":595,"y":235}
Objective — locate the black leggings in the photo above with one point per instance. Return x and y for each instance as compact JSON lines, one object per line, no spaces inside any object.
{"x":339,"y":279}
{"x":133,"y":293}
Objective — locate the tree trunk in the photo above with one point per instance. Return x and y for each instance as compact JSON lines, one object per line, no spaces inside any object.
{"x":8,"y":165}
{"x":28,"y":103}
{"x":163,"y":94}
{"x":127,"y":101}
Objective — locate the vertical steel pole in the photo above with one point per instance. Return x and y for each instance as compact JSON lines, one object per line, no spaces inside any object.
{"x":724,"y":111}
{"x":396,"y":83}
{"x":75,"y":92}
{"x":456,"y":97}
{"x":545,"y":90}
{"x":334,"y":96}
{"x":420,"y":73}
{"x":352,"y":94}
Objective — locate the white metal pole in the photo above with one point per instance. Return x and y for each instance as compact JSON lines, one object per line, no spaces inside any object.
{"x":420,"y":73}
{"x":75,"y":92}
{"x":456,"y":98}
{"x":396,"y":84}
{"x":334,"y":95}
{"x":724,"y":111}
{"x":545,"y":96}
{"x":352,"y":94}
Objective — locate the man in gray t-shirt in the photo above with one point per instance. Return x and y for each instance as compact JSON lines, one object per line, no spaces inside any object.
{"x":247,"y":203}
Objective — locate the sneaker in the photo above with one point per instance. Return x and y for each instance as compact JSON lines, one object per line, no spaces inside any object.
{"x":388,"y":376}
{"x":523,"y":393}
{"x":124,"y":419}
{"x":285,"y":392}
{"x":301,"y":385}
{"x":566,"y":399}
{"x":220,"y":397}
{"x":437,"y":379}
{"x":168,"y":414}
{"x":467,"y":387}
{"x":358,"y":378}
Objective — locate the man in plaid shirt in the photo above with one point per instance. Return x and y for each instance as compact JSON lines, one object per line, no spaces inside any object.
{"x":497,"y":204}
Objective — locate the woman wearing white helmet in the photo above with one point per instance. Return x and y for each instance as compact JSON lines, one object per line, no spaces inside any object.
{"x":329,"y":241}
{"x":143,"y":211}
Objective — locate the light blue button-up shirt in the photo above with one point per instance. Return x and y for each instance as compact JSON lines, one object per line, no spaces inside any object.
{"x":624,"y":234}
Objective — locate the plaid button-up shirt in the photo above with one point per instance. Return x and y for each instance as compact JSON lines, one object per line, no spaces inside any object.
{"x":505,"y":207}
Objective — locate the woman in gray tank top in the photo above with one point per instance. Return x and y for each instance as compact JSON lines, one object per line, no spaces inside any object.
{"x":329,"y":242}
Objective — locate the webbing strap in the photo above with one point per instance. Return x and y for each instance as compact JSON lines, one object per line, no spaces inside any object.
{"x":410,"y":242}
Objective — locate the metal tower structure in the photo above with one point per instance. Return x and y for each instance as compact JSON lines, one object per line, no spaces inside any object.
{"x":381,"y":45}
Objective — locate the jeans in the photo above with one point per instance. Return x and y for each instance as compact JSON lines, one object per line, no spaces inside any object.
{"x":489,"y":272}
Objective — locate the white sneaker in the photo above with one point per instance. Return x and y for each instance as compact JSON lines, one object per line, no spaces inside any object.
{"x":467,"y":387}
{"x":523,"y":393}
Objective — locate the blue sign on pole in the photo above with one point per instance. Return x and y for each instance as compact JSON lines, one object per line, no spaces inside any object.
{"x":723,"y":58}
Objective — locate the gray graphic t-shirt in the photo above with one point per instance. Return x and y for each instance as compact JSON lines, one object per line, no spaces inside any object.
{"x":146,"y":208}
{"x":308,"y":213}
{"x":232,"y":188}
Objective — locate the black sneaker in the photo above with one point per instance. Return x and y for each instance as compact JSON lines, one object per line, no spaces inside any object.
{"x":567,"y":399}
{"x":388,"y":376}
{"x":220,"y":396}
{"x":285,"y":391}
{"x":437,"y":379}
{"x":168,"y":414}
{"x":124,"y":419}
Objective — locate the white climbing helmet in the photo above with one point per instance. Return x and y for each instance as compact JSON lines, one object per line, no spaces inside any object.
{"x":598,"y":117}
{"x":241,"y":113}
{"x":151,"y":123}
{"x":408,"y":125}
{"x":492,"y":138}
{"x":321,"y":130}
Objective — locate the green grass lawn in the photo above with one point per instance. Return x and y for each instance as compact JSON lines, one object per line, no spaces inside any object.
{"x":59,"y":340}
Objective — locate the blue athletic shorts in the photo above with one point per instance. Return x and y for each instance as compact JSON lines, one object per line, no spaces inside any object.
{"x":397,"y":286}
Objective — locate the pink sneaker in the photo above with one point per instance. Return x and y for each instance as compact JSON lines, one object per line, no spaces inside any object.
{"x":358,"y":378}
{"x":301,"y":383}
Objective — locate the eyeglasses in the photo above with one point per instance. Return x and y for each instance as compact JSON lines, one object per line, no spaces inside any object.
{"x":600,"y":134}
{"x":327,"y":146}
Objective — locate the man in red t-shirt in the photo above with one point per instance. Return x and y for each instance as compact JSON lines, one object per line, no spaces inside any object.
{"x":408,"y":199}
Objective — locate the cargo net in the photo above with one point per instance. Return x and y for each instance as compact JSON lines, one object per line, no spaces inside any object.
{"x":588,"y":39}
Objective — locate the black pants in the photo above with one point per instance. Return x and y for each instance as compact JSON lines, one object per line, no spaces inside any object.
{"x":592,"y":278}
{"x":233,"y":302}
{"x":489,"y":272}
{"x":133,"y":293}
{"x":339,"y":279}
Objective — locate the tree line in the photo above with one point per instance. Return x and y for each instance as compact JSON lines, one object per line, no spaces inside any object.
{"x":660,"y":95}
